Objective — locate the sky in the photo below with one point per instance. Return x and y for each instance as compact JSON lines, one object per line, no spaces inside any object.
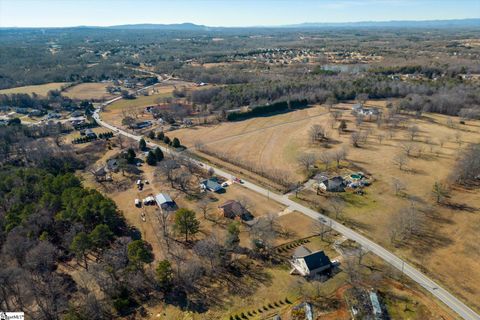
{"x":60,"y":13}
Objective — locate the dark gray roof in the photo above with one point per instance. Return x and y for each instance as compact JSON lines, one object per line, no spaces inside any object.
{"x":316,"y":260}
{"x":334,"y":183}
{"x":212,"y":185}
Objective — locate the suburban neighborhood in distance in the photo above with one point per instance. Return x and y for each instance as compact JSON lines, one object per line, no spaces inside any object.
{"x":282,"y":160}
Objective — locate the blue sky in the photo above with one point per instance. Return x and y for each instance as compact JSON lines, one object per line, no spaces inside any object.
{"x":56,"y":13}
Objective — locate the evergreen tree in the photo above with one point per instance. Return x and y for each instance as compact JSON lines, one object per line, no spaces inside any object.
{"x":164,"y":274}
{"x":176,"y":143}
{"x":233,"y":238}
{"x":151,"y":159}
{"x":131,"y":156}
{"x":142,"y":144}
{"x":80,"y":245}
{"x":166,"y":140}
{"x":139,"y":253}
{"x":158,"y":154}
{"x":160,"y":135}
{"x":151,"y":135}
{"x":186,"y":223}
{"x":101,"y":236}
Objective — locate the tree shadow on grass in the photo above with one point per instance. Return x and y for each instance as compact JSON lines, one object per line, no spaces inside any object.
{"x":212,"y":289}
{"x":460,"y":206}
{"x":428,"y":241}
{"x":357,"y":224}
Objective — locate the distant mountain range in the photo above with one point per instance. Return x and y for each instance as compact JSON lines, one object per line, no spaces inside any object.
{"x":461,"y":23}
{"x":457,"y":23}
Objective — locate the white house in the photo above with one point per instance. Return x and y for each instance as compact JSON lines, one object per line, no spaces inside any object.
{"x":308,"y":264}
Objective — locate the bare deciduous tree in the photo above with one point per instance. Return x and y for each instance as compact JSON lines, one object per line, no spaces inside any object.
{"x":317,"y":133}
{"x":380,"y":137}
{"x":467,"y":168}
{"x":398,"y":186}
{"x":339,"y":155}
{"x":408,"y":148}
{"x":325,"y":158}
{"x":306,"y":160}
{"x":400,"y":160}
{"x":356,"y":138}
{"x":413,"y":132}
{"x":337,"y":205}
{"x":440,"y":191}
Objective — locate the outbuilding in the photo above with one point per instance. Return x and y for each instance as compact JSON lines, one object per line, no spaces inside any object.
{"x":164,"y":201}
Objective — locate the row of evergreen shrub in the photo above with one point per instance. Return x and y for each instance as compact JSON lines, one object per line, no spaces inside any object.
{"x":276,"y":107}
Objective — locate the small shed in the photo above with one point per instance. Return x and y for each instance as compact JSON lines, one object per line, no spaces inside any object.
{"x":164,"y":201}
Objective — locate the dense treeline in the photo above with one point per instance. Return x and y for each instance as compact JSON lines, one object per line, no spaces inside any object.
{"x":40,"y":217}
{"x":448,"y":97}
{"x":268,"y":109}
{"x":23,"y":100}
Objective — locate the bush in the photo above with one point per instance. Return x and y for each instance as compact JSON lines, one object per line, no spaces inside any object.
{"x":176,"y":143}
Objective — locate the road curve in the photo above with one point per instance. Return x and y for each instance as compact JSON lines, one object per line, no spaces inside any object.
{"x":436,"y":290}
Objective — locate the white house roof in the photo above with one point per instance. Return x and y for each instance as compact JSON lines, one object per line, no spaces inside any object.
{"x":162,"y":198}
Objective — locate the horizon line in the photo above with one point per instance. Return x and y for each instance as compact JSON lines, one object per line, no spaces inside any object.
{"x":240,"y":27}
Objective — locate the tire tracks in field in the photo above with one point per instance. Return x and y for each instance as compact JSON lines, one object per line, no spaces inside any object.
{"x":265,"y":128}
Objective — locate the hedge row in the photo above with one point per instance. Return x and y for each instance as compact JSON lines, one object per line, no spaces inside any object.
{"x":267,"y":109}
{"x":265,"y":308}
{"x":292,"y":245}
{"x":104,"y":135}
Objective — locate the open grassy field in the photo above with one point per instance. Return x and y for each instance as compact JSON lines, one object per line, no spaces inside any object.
{"x":87,"y":91}
{"x":273,"y":142}
{"x":448,"y":251}
{"x":41,"y":89}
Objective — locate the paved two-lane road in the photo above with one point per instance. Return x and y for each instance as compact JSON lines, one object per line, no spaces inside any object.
{"x":451,"y":301}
